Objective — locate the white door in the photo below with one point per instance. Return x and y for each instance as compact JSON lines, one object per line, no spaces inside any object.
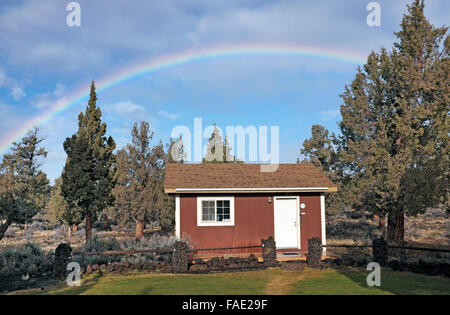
{"x":286,"y":222}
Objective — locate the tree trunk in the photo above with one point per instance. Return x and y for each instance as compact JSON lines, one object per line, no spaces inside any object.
{"x":106,"y":224}
{"x":139,"y":229}
{"x":88,"y":228}
{"x":382,"y":221}
{"x":69,"y":235}
{"x":396,"y":226}
{"x":3,"y":228}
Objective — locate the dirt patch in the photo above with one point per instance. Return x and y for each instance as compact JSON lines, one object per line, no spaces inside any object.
{"x":284,"y":282}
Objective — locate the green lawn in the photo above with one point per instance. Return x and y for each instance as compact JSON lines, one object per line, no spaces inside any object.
{"x":354,"y":282}
{"x":269,"y":281}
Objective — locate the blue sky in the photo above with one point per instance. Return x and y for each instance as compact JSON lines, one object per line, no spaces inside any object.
{"x":42,"y":60}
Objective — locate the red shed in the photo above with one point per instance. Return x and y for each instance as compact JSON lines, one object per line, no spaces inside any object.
{"x":236,"y":204}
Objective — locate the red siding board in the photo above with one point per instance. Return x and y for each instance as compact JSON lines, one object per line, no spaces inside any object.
{"x":310,"y":222}
{"x":254,"y":218}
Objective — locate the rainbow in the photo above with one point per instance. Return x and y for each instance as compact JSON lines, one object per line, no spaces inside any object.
{"x":170,"y":61}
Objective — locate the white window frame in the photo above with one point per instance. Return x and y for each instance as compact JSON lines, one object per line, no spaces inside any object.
{"x":216,"y":223}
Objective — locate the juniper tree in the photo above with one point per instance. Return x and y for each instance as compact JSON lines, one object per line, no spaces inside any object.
{"x":89,"y":175}
{"x":319,"y":148}
{"x":175,"y":151}
{"x":24,"y":188}
{"x":218,"y":150}
{"x":394,"y":128}
{"x":61,"y":212}
{"x":140,"y":180}
{"x":320,"y":151}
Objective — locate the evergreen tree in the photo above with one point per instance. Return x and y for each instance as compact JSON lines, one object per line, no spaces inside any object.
{"x":24,"y":188}
{"x":89,"y":176}
{"x":319,"y":148}
{"x":320,"y":151}
{"x":141,"y":179}
{"x":394,"y":128}
{"x":61,"y":212}
{"x":218,"y":151}
{"x":175,"y":151}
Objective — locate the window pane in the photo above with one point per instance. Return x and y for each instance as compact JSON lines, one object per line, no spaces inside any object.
{"x":223,"y":210}
{"x":208,"y":210}
{"x":226,"y":211}
{"x":216,"y":211}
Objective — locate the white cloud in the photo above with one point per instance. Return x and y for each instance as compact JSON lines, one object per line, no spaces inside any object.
{"x":126,"y":110}
{"x":16,"y":91}
{"x":59,"y":90}
{"x":113,"y":30}
{"x":49,"y":99}
{"x":128,"y":107}
{"x":4,"y":79}
{"x":168,"y":115}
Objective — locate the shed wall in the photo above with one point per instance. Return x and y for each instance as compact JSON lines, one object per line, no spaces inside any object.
{"x":254,"y":220}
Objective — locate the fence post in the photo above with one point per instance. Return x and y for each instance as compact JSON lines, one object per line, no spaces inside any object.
{"x":63,"y":255}
{"x":269,"y":251}
{"x":380,"y":251}
{"x":180,"y":257}
{"x":314,"y":256}
{"x":403,"y":256}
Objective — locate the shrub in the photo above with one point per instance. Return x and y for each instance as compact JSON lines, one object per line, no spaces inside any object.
{"x":32,"y":228}
{"x":60,"y":232}
{"x":10,"y":232}
{"x":102,"y":226}
{"x":79,"y":233}
{"x":28,"y":258}
{"x":152,"y":242}
{"x":99,"y":244}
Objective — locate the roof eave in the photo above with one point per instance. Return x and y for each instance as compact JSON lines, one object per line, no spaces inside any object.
{"x":249,"y":190}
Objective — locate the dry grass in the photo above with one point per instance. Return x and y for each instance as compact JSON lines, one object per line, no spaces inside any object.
{"x":284,"y":282}
{"x":432,"y":227}
{"x":48,"y":240}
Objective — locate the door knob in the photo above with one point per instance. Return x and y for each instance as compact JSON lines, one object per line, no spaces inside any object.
{"x":302,"y":213}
